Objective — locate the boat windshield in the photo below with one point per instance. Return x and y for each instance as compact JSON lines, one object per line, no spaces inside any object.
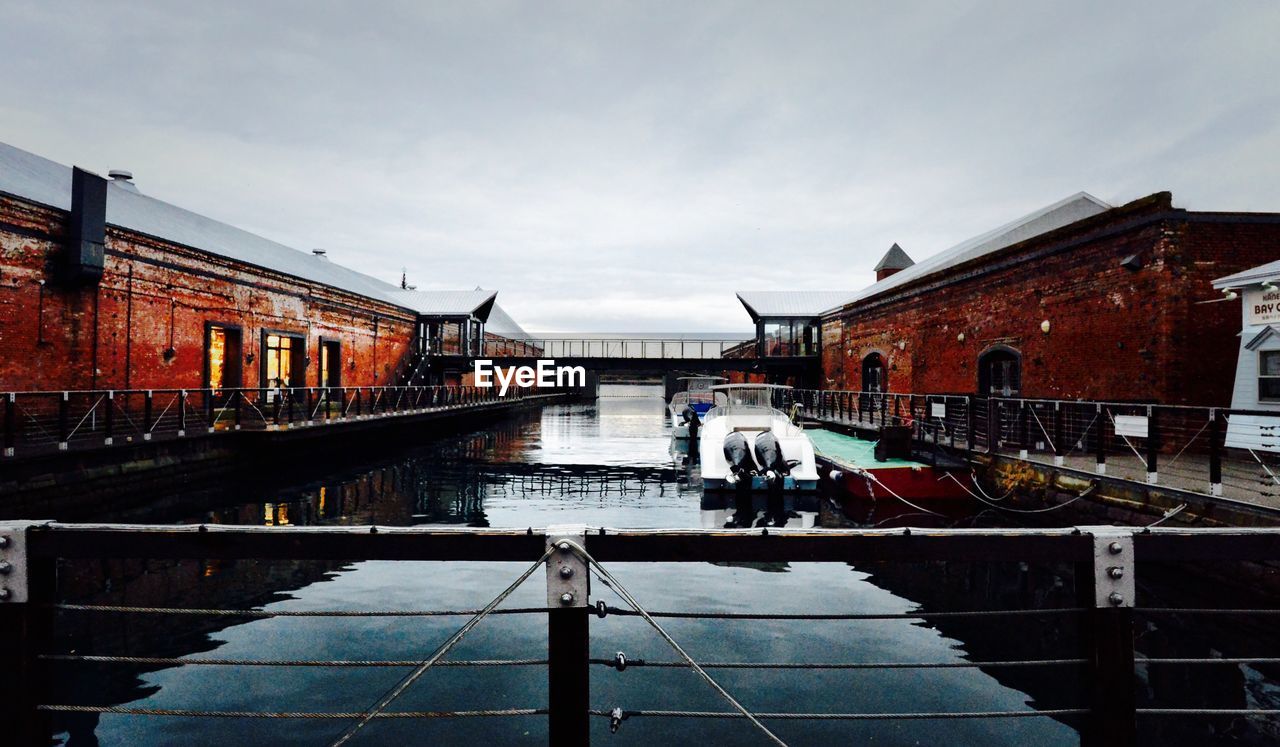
{"x":747,"y":397}
{"x":700,"y":383}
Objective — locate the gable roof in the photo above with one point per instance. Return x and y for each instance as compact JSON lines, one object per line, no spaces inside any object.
{"x":1261,"y":273}
{"x":1061,"y":213}
{"x":789,"y":303}
{"x":40,"y":180}
{"x":894,"y":259}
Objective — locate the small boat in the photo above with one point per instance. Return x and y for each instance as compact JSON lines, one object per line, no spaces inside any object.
{"x":857,"y":468}
{"x":692,"y":403}
{"x":745,"y":443}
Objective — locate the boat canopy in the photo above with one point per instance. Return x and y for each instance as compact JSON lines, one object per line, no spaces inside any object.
{"x":700,"y":383}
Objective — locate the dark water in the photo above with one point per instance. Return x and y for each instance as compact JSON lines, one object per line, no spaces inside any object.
{"x":608,"y":464}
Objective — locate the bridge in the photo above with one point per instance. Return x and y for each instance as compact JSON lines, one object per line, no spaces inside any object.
{"x":640,"y":356}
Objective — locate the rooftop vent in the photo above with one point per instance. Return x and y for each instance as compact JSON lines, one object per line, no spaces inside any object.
{"x":320,"y":253}
{"x":123,"y":178}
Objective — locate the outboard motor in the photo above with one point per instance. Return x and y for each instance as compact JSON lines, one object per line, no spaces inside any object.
{"x":769,"y":455}
{"x":738,"y":454}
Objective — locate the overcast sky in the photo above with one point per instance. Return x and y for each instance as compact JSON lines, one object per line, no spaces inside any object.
{"x":626,"y":167}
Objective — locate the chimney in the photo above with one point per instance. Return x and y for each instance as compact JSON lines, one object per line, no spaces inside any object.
{"x":82,"y":260}
{"x":895,"y":260}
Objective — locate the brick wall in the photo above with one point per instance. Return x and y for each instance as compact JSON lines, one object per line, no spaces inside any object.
{"x":143,"y":326}
{"x":1115,"y":333}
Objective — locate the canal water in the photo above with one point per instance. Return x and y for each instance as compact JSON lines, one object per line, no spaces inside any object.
{"x":608,"y":464}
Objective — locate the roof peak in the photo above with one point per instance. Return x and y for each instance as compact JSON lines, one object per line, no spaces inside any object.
{"x":894,"y":259}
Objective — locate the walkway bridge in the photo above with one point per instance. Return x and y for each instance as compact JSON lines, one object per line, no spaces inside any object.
{"x":635,"y":355}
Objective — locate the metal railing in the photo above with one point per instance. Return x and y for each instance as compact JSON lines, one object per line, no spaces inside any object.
{"x":1104,"y":558}
{"x":43,"y":422}
{"x":1216,"y":451}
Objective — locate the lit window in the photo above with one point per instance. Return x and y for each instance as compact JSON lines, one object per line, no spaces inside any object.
{"x":1269,"y":375}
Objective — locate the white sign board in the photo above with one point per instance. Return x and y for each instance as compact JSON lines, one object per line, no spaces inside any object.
{"x":938,"y":410}
{"x":1261,"y":307}
{"x":1134,"y":426}
{"x":1254,"y":432}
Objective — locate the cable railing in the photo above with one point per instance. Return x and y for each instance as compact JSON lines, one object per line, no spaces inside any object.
{"x":1106,"y":611}
{"x":1214,"y":451}
{"x":51,"y":421}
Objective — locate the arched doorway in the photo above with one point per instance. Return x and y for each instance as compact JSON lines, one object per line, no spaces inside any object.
{"x":875,"y":375}
{"x":1000,"y":372}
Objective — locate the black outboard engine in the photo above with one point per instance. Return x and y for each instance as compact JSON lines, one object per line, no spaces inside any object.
{"x":769,"y":455}
{"x":738,"y":454}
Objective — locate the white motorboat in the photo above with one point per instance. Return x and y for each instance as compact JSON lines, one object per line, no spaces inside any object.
{"x":693,"y":402}
{"x":745,"y":443}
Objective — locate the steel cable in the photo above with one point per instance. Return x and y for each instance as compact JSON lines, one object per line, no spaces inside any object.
{"x":444,"y":648}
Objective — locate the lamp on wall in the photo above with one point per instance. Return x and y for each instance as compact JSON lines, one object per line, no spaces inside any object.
{"x":1270,"y":286}
{"x":1229,"y":294}
{"x":1044,"y":326}
{"x":960,"y":337}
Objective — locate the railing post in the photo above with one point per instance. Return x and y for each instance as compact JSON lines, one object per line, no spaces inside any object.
{"x":146,"y":416}
{"x":182,"y":413}
{"x":64,"y":406}
{"x":1106,"y":589}
{"x":109,"y":418}
{"x":238,"y":397}
{"x":310,"y":405}
{"x":993,"y":427}
{"x":1100,"y":443}
{"x":357,"y":405}
{"x":1059,"y":455}
{"x":568,"y":638}
{"x":209,"y":412}
{"x":1024,"y":435}
{"x":1153,"y":444}
{"x":26,"y":631}
{"x":1215,"y":452}
{"x":884,"y":409}
{"x":289,"y":395}
{"x":275,"y":407}
{"x":10,"y":423}
{"x":968,"y":426}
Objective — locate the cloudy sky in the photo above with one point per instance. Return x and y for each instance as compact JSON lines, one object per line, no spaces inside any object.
{"x":626,"y":167}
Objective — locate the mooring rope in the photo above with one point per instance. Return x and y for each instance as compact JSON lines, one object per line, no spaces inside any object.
{"x":444,"y":648}
{"x":869,"y":477}
{"x":607,"y":578}
{"x":997,"y":506}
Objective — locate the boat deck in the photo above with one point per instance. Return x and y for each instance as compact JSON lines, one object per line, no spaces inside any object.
{"x":850,"y":451}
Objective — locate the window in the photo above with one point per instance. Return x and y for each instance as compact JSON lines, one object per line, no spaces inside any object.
{"x":282,"y":360}
{"x":330,"y":363}
{"x":1269,"y":375}
{"x":1000,"y":373}
{"x":874,"y":378}
{"x":222,"y":357}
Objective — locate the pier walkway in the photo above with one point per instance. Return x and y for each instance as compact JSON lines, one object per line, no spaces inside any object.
{"x":1218,"y":454}
{"x":44,"y":423}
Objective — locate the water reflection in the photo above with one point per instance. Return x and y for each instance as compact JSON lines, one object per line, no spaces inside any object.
{"x":612,"y":464}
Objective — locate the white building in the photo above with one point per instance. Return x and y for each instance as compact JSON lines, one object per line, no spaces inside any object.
{"x":1257,"y":383}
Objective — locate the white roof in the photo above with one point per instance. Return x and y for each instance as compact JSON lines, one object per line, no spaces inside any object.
{"x":789,"y":303}
{"x":1261,"y":273}
{"x":40,"y":180}
{"x":500,"y":323}
{"x":1064,"y":212}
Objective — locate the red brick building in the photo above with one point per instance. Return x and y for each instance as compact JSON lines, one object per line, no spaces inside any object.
{"x":104,"y":287}
{"x":1077,"y":300}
